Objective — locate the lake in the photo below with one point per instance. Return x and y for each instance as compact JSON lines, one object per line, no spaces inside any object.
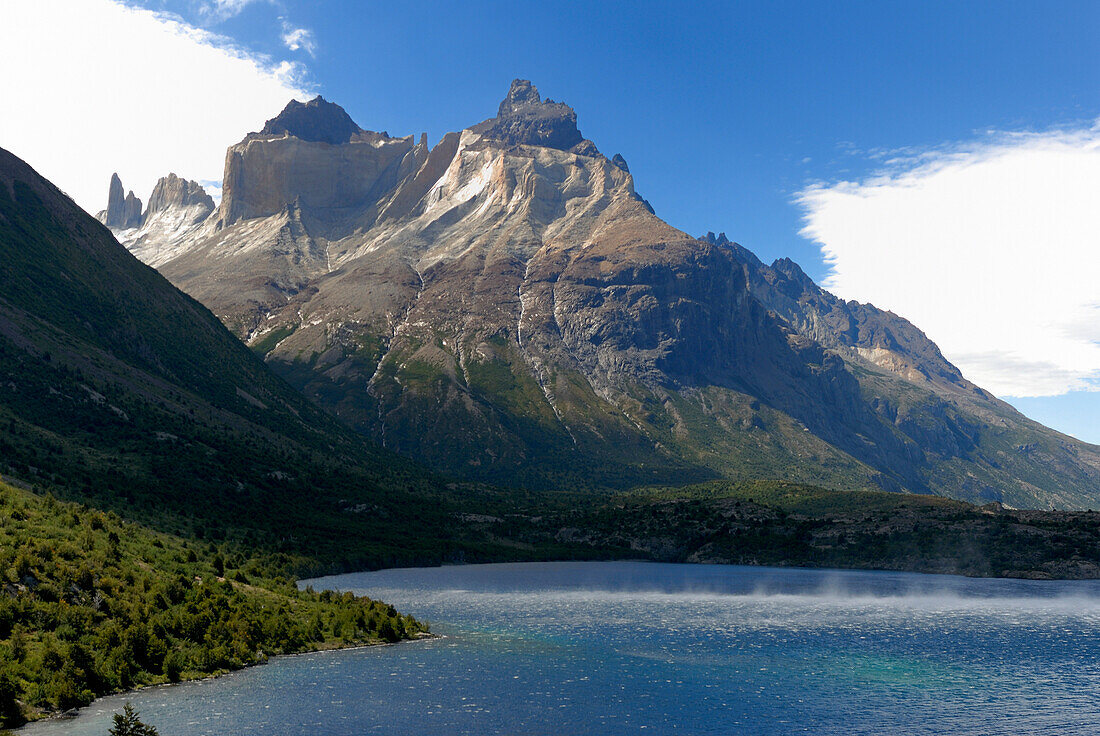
{"x":635,"y":647}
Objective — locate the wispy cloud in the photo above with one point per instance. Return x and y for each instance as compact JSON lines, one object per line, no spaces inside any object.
{"x":143,"y":95}
{"x":992,"y":247}
{"x":219,"y":10}
{"x":298,"y":39}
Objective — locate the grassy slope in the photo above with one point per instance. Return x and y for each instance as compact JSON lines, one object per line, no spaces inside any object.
{"x":90,"y":604}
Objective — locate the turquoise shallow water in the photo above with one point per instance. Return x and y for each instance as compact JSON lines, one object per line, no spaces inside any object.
{"x":631,"y":647}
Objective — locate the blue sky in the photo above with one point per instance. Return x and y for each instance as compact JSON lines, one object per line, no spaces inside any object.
{"x":729,"y":114}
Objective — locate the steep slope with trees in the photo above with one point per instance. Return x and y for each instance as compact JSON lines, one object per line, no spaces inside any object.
{"x":119,"y":390}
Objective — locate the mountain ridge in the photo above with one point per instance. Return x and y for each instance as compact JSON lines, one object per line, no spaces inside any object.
{"x":509,"y":309}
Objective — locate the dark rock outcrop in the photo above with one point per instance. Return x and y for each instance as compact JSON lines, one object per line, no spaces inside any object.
{"x":317,"y":121}
{"x":523,"y":118}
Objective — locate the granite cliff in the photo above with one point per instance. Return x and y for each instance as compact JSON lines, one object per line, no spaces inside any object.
{"x":123,"y":208}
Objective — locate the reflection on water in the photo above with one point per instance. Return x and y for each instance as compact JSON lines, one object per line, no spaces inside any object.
{"x":630,"y":647}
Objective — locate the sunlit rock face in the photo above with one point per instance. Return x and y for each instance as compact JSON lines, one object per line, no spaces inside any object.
{"x":505,"y":306}
{"x":310,"y":155}
{"x":177,"y":210}
{"x":123,"y":208}
{"x":172,"y":191}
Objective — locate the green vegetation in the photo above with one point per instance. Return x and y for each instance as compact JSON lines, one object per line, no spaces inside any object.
{"x":127,"y":723}
{"x":91,"y":604}
{"x":119,"y":391}
{"x":796,"y":498}
{"x":213,"y":481}
{"x":267,"y":342}
{"x":791,"y":524}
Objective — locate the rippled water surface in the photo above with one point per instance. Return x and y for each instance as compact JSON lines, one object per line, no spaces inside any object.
{"x":629,"y":647}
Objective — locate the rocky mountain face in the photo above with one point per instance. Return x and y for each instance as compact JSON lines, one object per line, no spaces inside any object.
{"x":174,"y":192}
{"x":123,"y":210}
{"x":505,"y":306}
{"x":857,"y":330}
{"x":177,"y":208}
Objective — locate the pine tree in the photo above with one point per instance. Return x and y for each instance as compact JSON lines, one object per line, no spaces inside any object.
{"x":127,"y":723}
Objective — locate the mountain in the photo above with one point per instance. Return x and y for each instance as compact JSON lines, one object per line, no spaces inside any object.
{"x":506,"y":307}
{"x":176,"y":207}
{"x":118,"y":390}
{"x":123,"y":210}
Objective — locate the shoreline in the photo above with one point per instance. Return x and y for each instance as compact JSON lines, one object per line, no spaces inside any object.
{"x":1024,"y":575}
{"x":714,"y":563}
{"x":424,"y":636}
{"x":76,"y":712}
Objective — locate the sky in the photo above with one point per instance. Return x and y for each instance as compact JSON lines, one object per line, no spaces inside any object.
{"x":938,"y":159}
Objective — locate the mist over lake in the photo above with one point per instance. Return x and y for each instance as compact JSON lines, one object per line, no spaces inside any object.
{"x":628,"y":647}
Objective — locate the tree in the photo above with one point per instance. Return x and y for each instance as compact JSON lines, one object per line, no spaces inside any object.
{"x":219,"y":564}
{"x":127,"y":723}
{"x":10,"y":712}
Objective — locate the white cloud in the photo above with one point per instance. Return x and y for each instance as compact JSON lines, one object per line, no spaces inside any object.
{"x":297,"y":39}
{"x":220,"y":10}
{"x":102,"y":87}
{"x":992,"y":248}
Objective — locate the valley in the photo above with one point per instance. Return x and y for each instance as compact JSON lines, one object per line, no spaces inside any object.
{"x":372,"y":353}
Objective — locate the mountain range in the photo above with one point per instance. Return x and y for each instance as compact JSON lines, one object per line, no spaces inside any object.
{"x":505,"y":307}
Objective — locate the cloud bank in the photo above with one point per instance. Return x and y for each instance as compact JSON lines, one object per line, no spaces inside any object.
{"x":992,"y":248}
{"x":93,"y":86}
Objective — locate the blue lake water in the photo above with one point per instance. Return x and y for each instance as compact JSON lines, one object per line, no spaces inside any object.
{"x":633,"y":647}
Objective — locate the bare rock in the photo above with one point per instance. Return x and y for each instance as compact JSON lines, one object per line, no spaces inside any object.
{"x":172,"y":191}
{"x":123,"y":210}
{"x":317,"y":121}
{"x":524,"y":119}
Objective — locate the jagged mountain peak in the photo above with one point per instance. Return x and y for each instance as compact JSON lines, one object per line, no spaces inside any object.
{"x":794,"y":272}
{"x":743,"y":254}
{"x":521,"y":93}
{"x":123,"y":208}
{"x":175,"y":191}
{"x":317,"y":121}
{"x":524,"y":118}
{"x":177,"y":208}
